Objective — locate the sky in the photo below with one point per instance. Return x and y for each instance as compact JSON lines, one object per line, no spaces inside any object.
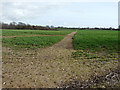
{"x":68,"y":14}
{"x":119,"y":13}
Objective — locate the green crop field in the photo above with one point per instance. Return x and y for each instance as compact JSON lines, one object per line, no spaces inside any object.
{"x":92,"y":44}
{"x":31,"y":42}
{"x":7,"y":32}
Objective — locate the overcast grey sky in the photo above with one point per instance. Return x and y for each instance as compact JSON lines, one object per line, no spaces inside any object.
{"x":70,"y":14}
{"x":119,"y":13}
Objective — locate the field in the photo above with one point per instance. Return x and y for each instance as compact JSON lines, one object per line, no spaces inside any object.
{"x":96,"y":40}
{"x":7,"y":32}
{"x":63,"y":58}
{"x":99,"y":45}
{"x":31,"y":42}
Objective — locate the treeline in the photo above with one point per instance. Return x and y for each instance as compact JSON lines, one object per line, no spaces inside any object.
{"x":21,"y":25}
{"x":90,"y":28}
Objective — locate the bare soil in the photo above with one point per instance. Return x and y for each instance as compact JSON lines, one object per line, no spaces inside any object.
{"x":48,"y":67}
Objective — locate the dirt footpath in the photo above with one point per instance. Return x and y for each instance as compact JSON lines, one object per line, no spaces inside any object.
{"x":66,"y":43}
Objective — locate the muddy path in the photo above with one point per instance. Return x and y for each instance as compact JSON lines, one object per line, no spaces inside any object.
{"x":66,"y":43}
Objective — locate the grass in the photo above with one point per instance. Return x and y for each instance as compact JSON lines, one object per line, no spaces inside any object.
{"x":31,"y":42}
{"x":98,"y":45}
{"x":11,"y":32}
{"x":95,"y":40}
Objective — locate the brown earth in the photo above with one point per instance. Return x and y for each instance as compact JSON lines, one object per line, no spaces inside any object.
{"x":49,"y":67}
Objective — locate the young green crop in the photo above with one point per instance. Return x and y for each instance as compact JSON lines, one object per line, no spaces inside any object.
{"x":96,"y":40}
{"x":98,"y":45}
{"x":10,"y":32}
{"x":31,"y":42}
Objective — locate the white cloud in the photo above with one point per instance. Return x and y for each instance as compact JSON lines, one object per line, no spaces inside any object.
{"x":20,"y":11}
{"x":60,"y":0}
{"x":64,"y":13}
{"x":119,"y":13}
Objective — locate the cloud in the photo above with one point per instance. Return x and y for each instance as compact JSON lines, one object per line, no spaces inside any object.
{"x":60,"y":0}
{"x":119,"y":13}
{"x":64,"y":13}
{"x":20,"y":11}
